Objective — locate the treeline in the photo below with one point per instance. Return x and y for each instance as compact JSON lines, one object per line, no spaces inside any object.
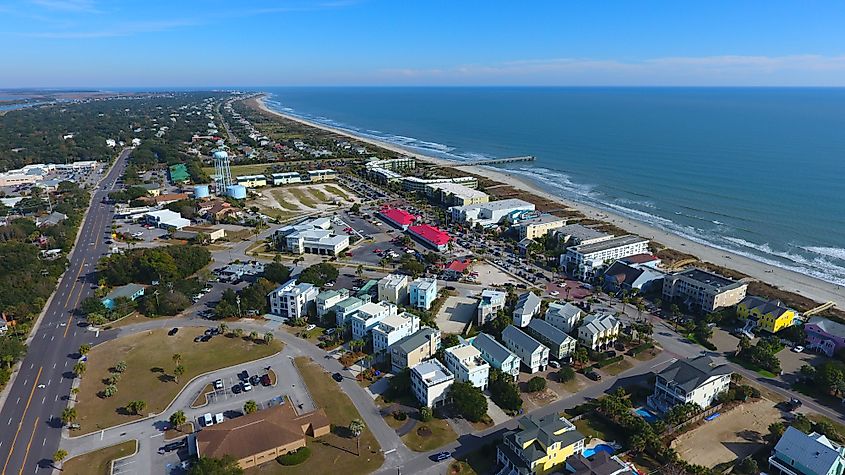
{"x":164,"y":264}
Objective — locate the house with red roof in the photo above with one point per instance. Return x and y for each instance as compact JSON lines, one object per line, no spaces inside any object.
{"x":455,"y":269}
{"x":430,"y":236}
{"x":398,"y":217}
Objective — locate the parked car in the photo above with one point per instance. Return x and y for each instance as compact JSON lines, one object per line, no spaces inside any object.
{"x":265,"y":380}
{"x":798,"y":349}
{"x":337,"y":377}
{"x":218,"y":384}
{"x":218,"y":418}
{"x":255,"y":380}
{"x":243,"y":375}
{"x":246,"y":386}
{"x":207,"y":419}
{"x":440,"y":456}
{"x":593,"y":375}
{"x":173,"y":331}
{"x":554,"y":364}
{"x":236,"y":389}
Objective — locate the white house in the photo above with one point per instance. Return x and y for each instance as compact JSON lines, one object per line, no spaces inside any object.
{"x":368,"y":316}
{"x":430,"y":382}
{"x":466,"y":363}
{"x":599,"y":331}
{"x":585,"y":260}
{"x":695,"y":380}
{"x":533,"y":354}
{"x":527,"y":307}
{"x":491,"y":302}
{"x":291,"y":299}
{"x":393,"y":288}
{"x":422,"y":292}
{"x":563,"y":316}
{"x":393,"y":328}
{"x":496,"y":354}
{"x":328,"y":299}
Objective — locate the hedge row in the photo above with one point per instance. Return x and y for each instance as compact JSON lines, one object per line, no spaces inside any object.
{"x":639,"y":349}
{"x":609,"y":361}
{"x":294,"y":458}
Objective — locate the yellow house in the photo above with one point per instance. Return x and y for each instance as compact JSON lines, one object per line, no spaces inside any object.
{"x":771,"y":315}
{"x":541,"y":445}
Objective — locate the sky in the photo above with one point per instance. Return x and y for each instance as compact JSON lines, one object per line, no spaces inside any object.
{"x":219,"y":43}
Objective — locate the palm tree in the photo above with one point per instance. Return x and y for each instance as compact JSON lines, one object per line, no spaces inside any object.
{"x":60,"y":455}
{"x":79,"y":369}
{"x":68,"y":415}
{"x":136,"y":406}
{"x":239,"y":332}
{"x":356,"y":427}
{"x":250,"y":407}
{"x":84,"y":349}
{"x":253,"y":335}
{"x":177,"y":358}
{"x":120,"y":366}
{"x":110,"y":390}
{"x":268,"y":337}
{"x":178,"y":371}
{"x":177,"y":419}
{"x":223,"y":328}
{"x":74,"y":392}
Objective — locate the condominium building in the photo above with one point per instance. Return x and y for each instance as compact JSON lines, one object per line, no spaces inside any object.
{"x":369,"y":315}
{"x":599,"y":332}
{"x":345,"y":309}
{"x":393,"y":288}
{"x":252,"y":181}
{"x":533,"y":354}
{"x":292,"y":299}
{"x":416,"y":184}
{"x":456,"y":194}
{"x":393,"y":328}
{"x":575,"y":234}
{"x":422,"y":292}
{"x":561,"y":346}
{"x":430,"y":383}
{"x":488,"y":307}
{"x":413,"y":349}
{"x":563,"y":316}
{"x":538,"y":226}
{"x":466,"y":363}
{"x":585,"y":260}
{"x":285,"y":178}
{"x":496,"y":354}
{"x":322,"y":175}
{"x":703,"y":290}
{"x":492,"y":213}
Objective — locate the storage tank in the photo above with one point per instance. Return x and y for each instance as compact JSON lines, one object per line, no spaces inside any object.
{"x":220,"y":154}
{"x":236,"y":191}
{"x":201,"y":191}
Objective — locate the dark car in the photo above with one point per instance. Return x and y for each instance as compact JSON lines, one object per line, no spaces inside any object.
{"x":255,"y":380}
{"x":337,"y":377}
{"x":205,"y":338}
{"x":593,"y":375}
{"x":236,"y":389}
{"x":440,"y":456}
{"x":173,"y":331}
{"x":243,"y":375}
{"x":171,"y":447}
{"x":198,"y":338}
{"x":265,"y":380}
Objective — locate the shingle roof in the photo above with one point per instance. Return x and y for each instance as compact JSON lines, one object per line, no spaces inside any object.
{"x":693,"y":372}
{"x":412,"y":342}
{"x":126,"y":291}
{"x":776,"y":307}
{"x":487,"y":344}
{"x":601,"y":463}
{"x":828,"y":326}
{"x":528,"y":302}
{"x":600,"y":323}
{"x":543,"y":429}
{"x":544,"y":328}
{"x":566,"y":310}
{"x":813,"y":451}
{"x":521,"y":338}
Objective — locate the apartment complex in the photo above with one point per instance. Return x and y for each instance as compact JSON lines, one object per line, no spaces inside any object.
{"x":393,"y":288}
{"x":291,"y":299}
{"x":368,"y":315}
{"x":560,"y":345}
{"x":599,"y":332}
{"x":585,"y":260}
{"x":538,"y":226}
{"x":703,"y":290}
{"x":393,"y":328}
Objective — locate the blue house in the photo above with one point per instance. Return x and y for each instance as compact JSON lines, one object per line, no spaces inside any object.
{"x":797,"y":453}
{"x":496,"y":354}
{"x":129,"y":291}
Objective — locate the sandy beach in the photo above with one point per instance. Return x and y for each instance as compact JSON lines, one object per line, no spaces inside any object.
{"x":801,"y":284}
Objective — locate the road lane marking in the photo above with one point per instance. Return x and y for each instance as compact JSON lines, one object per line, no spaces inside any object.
{"x":70,"y":317}
{"x":28,"y":445}
{"x":20,"y":424}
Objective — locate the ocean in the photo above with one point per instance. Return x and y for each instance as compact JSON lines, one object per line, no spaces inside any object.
{"x":756,"y":171}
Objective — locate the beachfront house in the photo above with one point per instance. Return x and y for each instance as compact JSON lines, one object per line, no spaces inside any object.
{"x":769,"y":315}
{"x":797,"y":453}
{"x":697,"y":380}
{"x":540,"y":445}
{"x":825,"y":335}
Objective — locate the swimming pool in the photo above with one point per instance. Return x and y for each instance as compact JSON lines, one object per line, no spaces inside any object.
{"x":646,"y":414}
{"x":598,"y":448}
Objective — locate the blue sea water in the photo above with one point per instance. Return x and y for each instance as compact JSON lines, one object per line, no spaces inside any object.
{"x":757,"y":171}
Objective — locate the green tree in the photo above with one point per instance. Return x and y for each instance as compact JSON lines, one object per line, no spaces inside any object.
{"x":60,"y":455}
{"x":110,"y":390}
{"x":84,"y":349}
{"x":250,"y":407}
{"x":468,"y":400}
{"x":535,"y":384}
{"x":227,"y":465}
{"x":177,"y":358}
{"x":253,"y":335}
{"x":565,"y":374}
{"x":178,"y":419}
{"x":68,"y":415}
{"x":581,"y":355}
{"x":120,"y":366}
{"x":79,"y":369}
{"x":426,"y":414}
{"x":276,"y":272}
{"x":356,"y":427}
{"x":504,"y":391}
{"x":223,"y":328}
{"x":268,"y":337}
{"x":178,"y":371}
{"x":136,"y":407}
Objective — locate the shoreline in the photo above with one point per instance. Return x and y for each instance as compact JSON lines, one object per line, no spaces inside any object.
{"x":784,"y":279}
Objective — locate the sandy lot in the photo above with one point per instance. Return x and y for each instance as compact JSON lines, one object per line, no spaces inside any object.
{"x":292,"y":200}
{"x":730,"y":436}
{"x":489,"y":274}
{"x":455,"y":313}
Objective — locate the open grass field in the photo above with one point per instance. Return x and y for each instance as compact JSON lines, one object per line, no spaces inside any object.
{"x":318,"y":194}
{"x":98,"y":462}
{"x":593,"y":426}
{"x":305,"y":198}
{"x":331,"y":453}
{"x":429,"y":435}
{"x":149,"y":371}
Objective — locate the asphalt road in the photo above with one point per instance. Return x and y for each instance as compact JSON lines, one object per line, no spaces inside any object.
{"x":30,"y":425}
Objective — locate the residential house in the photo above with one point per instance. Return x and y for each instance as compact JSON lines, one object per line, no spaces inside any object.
{"x":585,"y":260}
{"x":393,"y":288}
{"x":456,"y":269}
{"x":533,"y":354}
{"x":466,"y":363}
{"x":128,"y":291}
{"x":770,"y":315}
{"x":496,"y":354}
{"x":292,"y":300}
{"x":413,"y":349}
{"x":540,"y":445}
{"x":393,"y":328}
{"x":696,"y":380}
{"x":328,"y":299}
{"x":703,"y":290}
{"x":430,"y":382}
{"x":368,"y":316}
{"x":599,"y":331}
{"x":527,"y":307}
{"x":825,"y":335}
{"x":51,"y":219}
{"x":563,"y":316}
{"x":797,"y":453}
{"x":422,"y":292}
{"x":600,"y":463}
{"x":560,"y":345}
{"x":344,"y":310}
{"x":488,"y":307}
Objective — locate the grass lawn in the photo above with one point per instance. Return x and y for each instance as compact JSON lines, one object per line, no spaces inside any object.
{"x":303,"y":197}
{"x":337,"y":191}
{"x":593,"y":426}
{"x":319,"y":194}
{"x":745,"y":364}
{"x":617,"y":368}
{"x":441,"y":433}
{"x":283,"y":201}
{"x":184,"y":429}
{"x":647,"y":354}
{"x":149,"y":371}
{"x":332,"y":452}
{"x":393,"y":422}
{"x":202,"y":399}
{"x":253,"y":169}
{"x":98,"y":462}
{"x":479,"y":462}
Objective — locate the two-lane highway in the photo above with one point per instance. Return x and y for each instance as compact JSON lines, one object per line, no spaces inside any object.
{"x":30,"y":419}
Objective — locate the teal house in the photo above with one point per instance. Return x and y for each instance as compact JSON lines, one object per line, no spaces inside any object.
{"x":797,"y":453}
{"x":129,"y":291}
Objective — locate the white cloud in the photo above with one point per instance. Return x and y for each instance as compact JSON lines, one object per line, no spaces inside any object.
{"x":86,"y":6}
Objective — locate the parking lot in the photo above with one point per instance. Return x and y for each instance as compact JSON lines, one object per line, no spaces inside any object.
{"x":147,"y":237}
{"x":455,"y":313}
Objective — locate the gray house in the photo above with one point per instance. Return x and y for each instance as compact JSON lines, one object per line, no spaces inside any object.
{"x":559,"y":343}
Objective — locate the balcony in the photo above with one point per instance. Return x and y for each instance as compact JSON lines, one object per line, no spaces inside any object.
{"x":773,"y":462}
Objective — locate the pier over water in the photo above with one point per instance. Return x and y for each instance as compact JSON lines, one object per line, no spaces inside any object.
{"x":494,"y":161}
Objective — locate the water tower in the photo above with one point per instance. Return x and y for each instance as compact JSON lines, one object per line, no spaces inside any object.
{"x":223,"y":174}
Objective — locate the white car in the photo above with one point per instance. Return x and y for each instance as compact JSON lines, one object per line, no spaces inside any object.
{"x":218,"y":418}
{"x":554,"y":293}
{"x":207,"y":420}
{"x":798,"y":349}
{"x":218,"y":384}
{"x":310,"y":327}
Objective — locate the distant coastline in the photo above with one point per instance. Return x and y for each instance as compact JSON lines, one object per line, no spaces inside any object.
{"x":787,"y":280}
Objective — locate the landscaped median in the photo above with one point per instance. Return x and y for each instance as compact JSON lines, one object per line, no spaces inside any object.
{"x":155,"y":367}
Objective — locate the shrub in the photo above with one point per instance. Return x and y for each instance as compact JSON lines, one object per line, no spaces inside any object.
{"x":747,"y":465}
{"x":566,"y":374}
{"x":609,"y":361}
{"x":535,"y":384}
{"x":426,"y":414}
{"x":639,"y":349}
{"x":294,"y":458}
{"x":400,"y":415}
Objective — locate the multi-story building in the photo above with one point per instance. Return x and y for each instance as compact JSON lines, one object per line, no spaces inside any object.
{"x":797,"y":453}
{"x":430,"y":382}
{"x":393,"y":288}
{"x":466,"y":363}
{"x":560,"y":345}
{"x":496,"y":354}
{"x":770,"y":315}
{"x":527,"y":307}
{"x":538,"y":226}
{"x":491,"y":302}
{"x":328,"y":299}
{"x":252,"y":181}
{"x":825,"y":335}
{"x":533,"y":354}
{"x":415,"y":184}
{"x":563,"y":316}
{"x":599,"y":331}
{"x":422,"y":292}
{"x":696,"y":380}
{"x":393,"y":328}
{"x":367,"y":316}
{"x":492,"y":213}
{"x":345,"y":309}
{"x":291,"y":299}
{"x":314,"y":236}
{"x":456,"y":194}
{"x":703,"y":290}
{"x":585,"y":260}
{"x":575,"y":234}
{"x":412,"y":350}
{"x":539,"y":446}
{"x":286,"y":178}
{"x":322,"y":175}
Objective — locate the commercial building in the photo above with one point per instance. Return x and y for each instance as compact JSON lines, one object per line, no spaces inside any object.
{"x":393,"y":328}
{"x":797,"y":453}
{"x":328,"y":299}
{"x":527,"y":307}
{"x":190,"y":233}
{"x":422,"y":292}
{"x":178,"y":173}
{"x":563,"y":316}
{"x":397,"y":217}
{"x":456,"y":269}
{"x":291,"y":299}
{"x":575,"y":234}
{"x":166,"y":219}
{"x":128,"y":291}
{"x":584,"y":260}
{"x":560,"y":345}
{"x":430,"y":382}
{"x":415,"y":184}
{"x":539,"y":446}
{"x":696,"y":380}
{"x":455,"y":194}
{"x":466,"y":363}
{"x":538,"y":226}
{"x":431,"y":236}
{"x":703,"y":290}
{"x":496,"y":354}
{"x":412,"y":350}
{"x":367,"y":316}
{"x":825,"y":335}
{"x":161,"y":200}
{"x":285,"y":178}
{"x":260,"y":437}
{"x":533,"y":354}
{"x":770,"y":315}
{"x":345,"y":309}
{"x":393,"y":288}
{"x":252,"y":181}
{"x":599,"y":332}
{"x":488,"y":307}
{"x":314,"y":236}
{"x":492,"y":213}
